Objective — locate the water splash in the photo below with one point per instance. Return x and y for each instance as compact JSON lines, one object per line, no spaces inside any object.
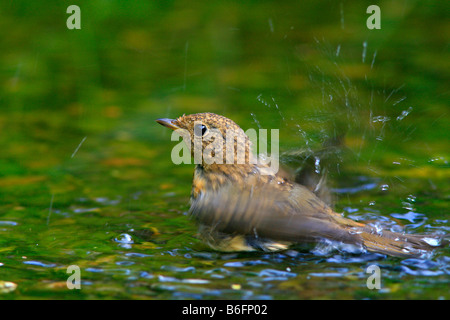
{"x":124,"y":240}
{"x":373,"y":59}
{"x":404,"y":114}
{"x":78,"y":148}
{"x":325,"y":247}
{"x":271,"y":25}
{"x":255,"y":120}
{"x":260,"y":99}
{"x":364,"y":51}
{"x":435,"y":242}
{"x":410,"y":216}
{"x":278,"y":108}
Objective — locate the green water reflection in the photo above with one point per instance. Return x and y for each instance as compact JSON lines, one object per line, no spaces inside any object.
{"x":85,"y":173}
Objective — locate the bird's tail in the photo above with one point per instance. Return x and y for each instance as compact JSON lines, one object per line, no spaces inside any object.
{"x":399,"y":244}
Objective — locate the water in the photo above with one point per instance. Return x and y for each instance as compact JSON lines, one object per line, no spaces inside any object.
{"x":86,"y":177}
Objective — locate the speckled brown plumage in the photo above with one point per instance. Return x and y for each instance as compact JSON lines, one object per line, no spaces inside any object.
{"x":240,"y":209}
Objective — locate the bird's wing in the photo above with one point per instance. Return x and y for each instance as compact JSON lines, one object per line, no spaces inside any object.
{"x":298,"y":216}
{"x":268,"y":212}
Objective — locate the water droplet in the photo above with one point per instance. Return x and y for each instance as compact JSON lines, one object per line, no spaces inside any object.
{"x":380,"y":119}
{"x":378,"y":229}
{"x":404,"y":114}
{"x":317,"y":165}
{"x":432,"y":241}
{"x":256,"y":120}
{"x":124,"y":238}
{"x":364,"y":51}
{"x":438,"y":160}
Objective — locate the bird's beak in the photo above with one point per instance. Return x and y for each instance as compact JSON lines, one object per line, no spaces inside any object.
{"x":169,"y":123}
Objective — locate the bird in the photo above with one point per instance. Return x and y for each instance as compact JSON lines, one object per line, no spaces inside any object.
{"x":242,"y":204}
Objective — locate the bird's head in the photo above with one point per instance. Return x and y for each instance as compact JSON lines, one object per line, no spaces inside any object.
{"x":212,"y":139}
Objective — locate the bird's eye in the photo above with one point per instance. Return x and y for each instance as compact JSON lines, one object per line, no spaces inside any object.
{"x":200,"y":129}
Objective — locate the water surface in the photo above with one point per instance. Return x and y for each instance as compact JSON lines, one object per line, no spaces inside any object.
{"x":85,"y":173}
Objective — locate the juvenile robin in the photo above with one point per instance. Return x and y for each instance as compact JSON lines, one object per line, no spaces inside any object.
{"x":240,"y":205}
